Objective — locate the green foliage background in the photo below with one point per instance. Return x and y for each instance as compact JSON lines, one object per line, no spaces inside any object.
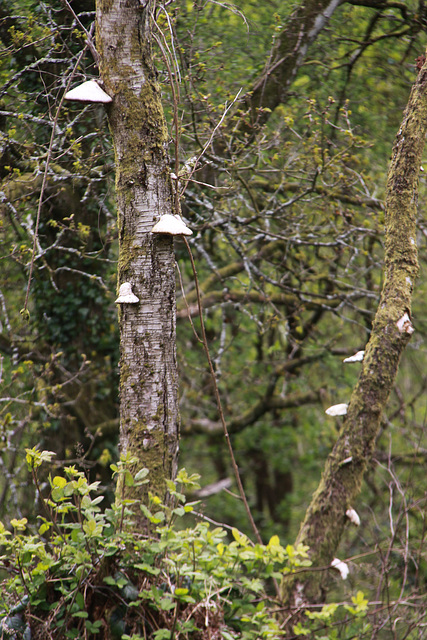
{"x":288,"y":228}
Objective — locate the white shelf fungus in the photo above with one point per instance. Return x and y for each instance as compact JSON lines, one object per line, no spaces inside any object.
{"x":341,"y":567}
{"x":358,"y":357}
{"x":89,"y":91}
{"x":353,"y":516}
{"x":171,"y":225}
{"x":337,"y":410}
{"x":126,"y":296}
{"x":404,"y":324}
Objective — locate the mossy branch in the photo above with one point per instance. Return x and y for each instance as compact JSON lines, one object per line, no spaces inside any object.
{"x":325,"y":518}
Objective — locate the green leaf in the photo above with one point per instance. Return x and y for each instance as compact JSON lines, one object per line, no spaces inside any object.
{"x":58,"y":494}
{"x":157,"y":517}
{"x":19,"y":525}
{"x":143,"y":566}
{"x":59,"y":482}
{"x":44,"y":527}
{"x":147,"y":513}
{"x":170,"y":485}
{"x":93,"y":627}
{"x":299,"y":630}
{"x":141,"y":474}
{"x":162,"y":634}
{"x":80,"y":600}
{"x":166,"y":604}
{"x":91,"y":528}
{"x":129,"y":480}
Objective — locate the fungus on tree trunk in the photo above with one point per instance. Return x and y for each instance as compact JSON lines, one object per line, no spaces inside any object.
{"x":171,"y":225}
{"x":89,"y":91}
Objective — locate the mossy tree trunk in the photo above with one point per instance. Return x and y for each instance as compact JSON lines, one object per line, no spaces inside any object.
{"x":149,"y":417}
{"x":341,"y":481}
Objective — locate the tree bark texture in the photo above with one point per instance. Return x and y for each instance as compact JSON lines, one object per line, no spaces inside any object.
{"x":341,"y":481}
{"x":149,"y":417}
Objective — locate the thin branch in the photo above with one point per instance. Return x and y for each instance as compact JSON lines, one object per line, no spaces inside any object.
{"x":24,"y":310}
{"x":218,"y":400}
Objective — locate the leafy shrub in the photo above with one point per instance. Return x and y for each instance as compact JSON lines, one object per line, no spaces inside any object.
{"x":86,"y":573}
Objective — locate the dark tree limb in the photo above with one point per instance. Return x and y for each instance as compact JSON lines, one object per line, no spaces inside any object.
{"x":381,"y":4}
{"x":342,"y":478}
{"x":254,"y":413}
{"x":302,"y":28}
{"x":213,"y":298}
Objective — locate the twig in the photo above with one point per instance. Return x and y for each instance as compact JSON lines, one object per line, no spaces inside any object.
{"x":88,"y":34}
{"x":175,"y":98}
{"x":24,"y":310}
{"x":218,"y":400}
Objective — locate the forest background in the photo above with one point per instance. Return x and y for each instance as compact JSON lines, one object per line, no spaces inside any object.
{"x":282,"y":168}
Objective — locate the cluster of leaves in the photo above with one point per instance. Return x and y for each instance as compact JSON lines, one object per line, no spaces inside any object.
{"x":87,"y":573}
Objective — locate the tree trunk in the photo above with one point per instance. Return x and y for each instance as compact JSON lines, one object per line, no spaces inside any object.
{"x":149,"y":417}
{"x":325,"y":518}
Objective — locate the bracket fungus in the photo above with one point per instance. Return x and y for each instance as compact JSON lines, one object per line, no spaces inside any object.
{"x":353,"y":516}
{"x":341,"y":566}
{"x":88,"y":91}
{"x":337,"y":410}
{"x":404,"y":324}
{"x":358,"y":357}
{"x":172,"y":226}
{"x":126,"y":296}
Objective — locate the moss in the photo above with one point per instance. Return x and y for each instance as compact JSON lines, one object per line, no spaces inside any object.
{"x":124,"y":373}
{"x":159,"y":413}
{"x":142,"y":116}
{"x":105,"y":5}
{"x":151,"y":457}
{"x":127,"y":256}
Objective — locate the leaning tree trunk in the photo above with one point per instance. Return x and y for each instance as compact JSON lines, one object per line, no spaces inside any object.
{"x":149,"y":417}
{"x":325,"y":518}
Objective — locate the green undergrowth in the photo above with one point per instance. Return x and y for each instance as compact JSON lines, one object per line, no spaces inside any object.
{"x":82,"y":572}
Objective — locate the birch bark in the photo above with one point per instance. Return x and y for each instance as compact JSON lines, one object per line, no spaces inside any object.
{"x":149,"y":416}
